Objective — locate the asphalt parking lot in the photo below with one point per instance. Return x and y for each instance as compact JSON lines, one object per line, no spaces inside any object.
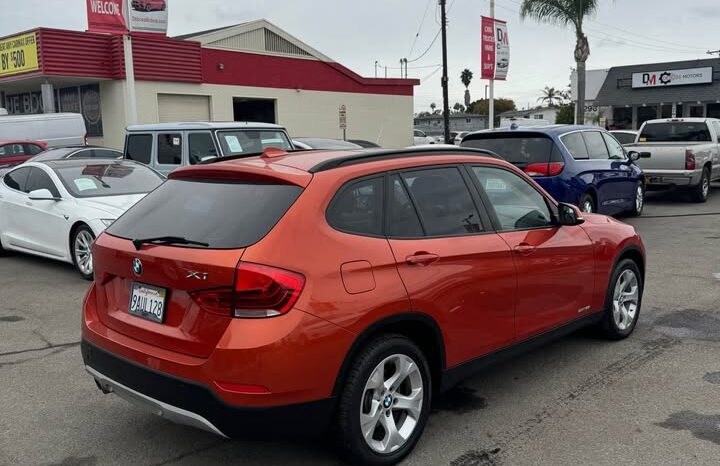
{"x":653,"y":399}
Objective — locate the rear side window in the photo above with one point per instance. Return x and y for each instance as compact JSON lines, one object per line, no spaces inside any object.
{"x":595,"y":145}
{"x":575,"y":144}
{"x":224,"y":215}
{"x":403,"y":221}
{"x":675,"y":132}
{"x":32,"y":149}
{"x":357,"y":208}
{"x":169,"y":149}
{"x":520,"y":149}
{"x":443,"y":201}
{"x":139,"y":148}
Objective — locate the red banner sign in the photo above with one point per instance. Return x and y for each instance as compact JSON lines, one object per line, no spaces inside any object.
{"x":106,"y":16}
{"x":488,"y":48}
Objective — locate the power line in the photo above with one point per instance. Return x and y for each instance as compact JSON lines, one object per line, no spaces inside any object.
{"x":422,"y":22}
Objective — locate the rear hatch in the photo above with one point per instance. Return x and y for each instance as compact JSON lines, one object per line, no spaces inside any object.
{"x":175,"y":290}
{"x":531,"y":151}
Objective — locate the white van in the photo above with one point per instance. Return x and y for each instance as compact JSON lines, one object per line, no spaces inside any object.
{"x":56,"y":129}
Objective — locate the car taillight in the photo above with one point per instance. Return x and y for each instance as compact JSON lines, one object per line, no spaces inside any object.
{"x":86,"y":139}
{"x":545,"y":169}
{"x":260,"y":291}
{"x":689,"y":160}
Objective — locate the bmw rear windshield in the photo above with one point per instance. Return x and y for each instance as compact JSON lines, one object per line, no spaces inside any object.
{"x":518,"y":148}
{"x":223,"y":215}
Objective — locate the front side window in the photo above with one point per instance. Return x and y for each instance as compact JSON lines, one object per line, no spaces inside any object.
{"x":517,"y":205}
{"x":575,"y":144}
{"x":32,"y":149}
{"x":443,"y":201}
{"x":17,"y":179}
{"x":139,"y":148}
{"x":252,"y":142}
{"x":357,"y":208}
{"x":595,"y":145}
{"x":201,"y":147}
{"x":403,"y":221}
{"x":169,"y":149}
{"x":38,"y":179}
{"x":615,"y":149}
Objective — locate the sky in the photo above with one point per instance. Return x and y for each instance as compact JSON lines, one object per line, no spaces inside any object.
{"x":359,"y":33}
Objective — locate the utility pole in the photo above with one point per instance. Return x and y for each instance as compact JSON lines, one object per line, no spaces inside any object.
{"x":491,"y":102}
{"x":714,"y":52}
{"x":446,"y":99}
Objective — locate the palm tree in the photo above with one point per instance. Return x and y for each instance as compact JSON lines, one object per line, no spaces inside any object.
{"x":551,"y":96}
{"x":566,"y":13}
{"x":433,"y":107}
{"x":466,"y":76}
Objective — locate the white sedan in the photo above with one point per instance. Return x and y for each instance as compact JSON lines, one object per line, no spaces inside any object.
{"x":56,"y":209}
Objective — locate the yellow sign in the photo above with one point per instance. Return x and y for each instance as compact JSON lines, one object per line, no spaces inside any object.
{"x":18,"y":54}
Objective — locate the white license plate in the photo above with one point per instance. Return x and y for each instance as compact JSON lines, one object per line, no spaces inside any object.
{"x":148,"y":302}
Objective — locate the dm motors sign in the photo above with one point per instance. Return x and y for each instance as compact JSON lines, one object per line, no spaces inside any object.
{"x":672,"y":77}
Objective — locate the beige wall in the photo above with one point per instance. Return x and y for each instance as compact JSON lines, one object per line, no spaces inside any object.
{"x":385,"y":119}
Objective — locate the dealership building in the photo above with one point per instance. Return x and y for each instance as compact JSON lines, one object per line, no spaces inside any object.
{"x":249,"y":72}
{"x":624,"y":97}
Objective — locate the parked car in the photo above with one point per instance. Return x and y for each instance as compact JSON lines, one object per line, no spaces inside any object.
{"x":365,"y":144}
{"x":346,"y":289}
{"x":53,"y":129}
{"x":324,"y":143}
{"x":420,"y":138}
{"x":56,"y":209}
{"x":149,"y":5}
{"x":167,"y":146}
{"x":581,"y":165}
{"x":457,"y":140}
{"x":685,"y":154}
{"x":16,"y":152}
{"x":78,"y":152}
{"x":624,"y":136}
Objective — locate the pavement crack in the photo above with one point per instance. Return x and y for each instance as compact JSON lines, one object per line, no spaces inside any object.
{"x":42,"y":337}
{"x":196,"y":451}
{"x":44,"y":348}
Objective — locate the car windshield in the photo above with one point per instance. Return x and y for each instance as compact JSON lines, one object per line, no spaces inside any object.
{"x":517,"y":148}
{"x":112,"y":179}
{"x":675,"y":132}
{"x":252,"y":141}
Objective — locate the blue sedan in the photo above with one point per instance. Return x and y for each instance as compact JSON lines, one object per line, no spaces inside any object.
{"x":581,"y":165}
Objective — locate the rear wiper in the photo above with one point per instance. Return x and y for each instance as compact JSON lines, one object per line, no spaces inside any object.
{"x":167,"y":240}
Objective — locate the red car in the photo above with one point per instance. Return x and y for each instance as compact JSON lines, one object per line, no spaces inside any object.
{"x":149,"y":5}
{"x":342,"y":290}
{"x":16,"y":152}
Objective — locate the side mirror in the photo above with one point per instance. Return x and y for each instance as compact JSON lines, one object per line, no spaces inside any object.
{"x":42,"y":195}
{"x":569,"y":215}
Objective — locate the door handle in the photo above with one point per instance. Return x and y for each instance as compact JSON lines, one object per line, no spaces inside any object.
{"x":421,"y":258}
{"x":524,"y":249}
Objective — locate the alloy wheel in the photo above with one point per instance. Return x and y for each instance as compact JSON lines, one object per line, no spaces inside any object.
{"x":391,"y":403}
{"x":705,"y":186}
{"x":587,"y":207}
{"x":83,"y":251}
{"x":639,"y":199}
{"x":626,"y":298}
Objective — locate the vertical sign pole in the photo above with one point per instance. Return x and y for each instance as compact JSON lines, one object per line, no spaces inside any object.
{"x":131,"y":97}
{"x":491,"y":102}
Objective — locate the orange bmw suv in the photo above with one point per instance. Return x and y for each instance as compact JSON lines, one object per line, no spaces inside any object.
{"x":343,"y":290}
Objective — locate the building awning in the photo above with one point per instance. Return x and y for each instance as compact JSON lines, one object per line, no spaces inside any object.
{"x":618,"y":91}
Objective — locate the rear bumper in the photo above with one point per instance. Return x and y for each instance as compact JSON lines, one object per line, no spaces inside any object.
{"x":670,"y":178}
{"x":190,"y":403}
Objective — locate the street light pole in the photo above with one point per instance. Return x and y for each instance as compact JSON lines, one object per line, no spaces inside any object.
{"x":491,"y":103}
{"x":446,"y":99}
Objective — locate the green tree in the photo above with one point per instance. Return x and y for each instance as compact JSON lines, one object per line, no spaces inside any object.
{"x":458,"y":107}
{"x":566,"y":13}
{"x":466,"y":77}
{"x":551,"y":96}
{"x":481,"y":107}
{"x":565,"y":114}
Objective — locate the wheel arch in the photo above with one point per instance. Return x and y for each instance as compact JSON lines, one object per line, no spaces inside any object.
{"x":633,"y":253}
{"x":419,"y":327}
{"x":71,"y":236}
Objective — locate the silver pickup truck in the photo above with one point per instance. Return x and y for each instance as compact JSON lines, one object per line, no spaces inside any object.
{"x":685,"y":153}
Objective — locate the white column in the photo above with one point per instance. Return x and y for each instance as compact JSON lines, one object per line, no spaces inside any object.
{"x":48,"y":97}
{"x":130,"y":96}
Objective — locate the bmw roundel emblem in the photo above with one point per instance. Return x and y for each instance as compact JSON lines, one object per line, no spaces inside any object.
{"x":137,"y":266}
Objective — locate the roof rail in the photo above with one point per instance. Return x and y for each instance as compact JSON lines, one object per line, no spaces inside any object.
{"x":354,"y":158}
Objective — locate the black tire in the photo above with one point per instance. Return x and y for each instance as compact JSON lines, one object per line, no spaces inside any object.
{"x":608,"y":327}
{"x":349,"y":436}
{"x":81,"y":230}
{"x":637,"y":210}
{"x":700,"y":192}
{"x":3,"y":252}
{"x":587,"y":200}
{"x":148,"y":7}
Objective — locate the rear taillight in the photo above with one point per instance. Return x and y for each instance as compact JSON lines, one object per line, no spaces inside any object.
{"x":544,"y":169}
{"x":260,"y":291}
{"x":689,"y":160}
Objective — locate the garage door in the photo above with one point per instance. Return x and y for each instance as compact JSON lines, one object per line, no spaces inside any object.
{"x":177,"y":107}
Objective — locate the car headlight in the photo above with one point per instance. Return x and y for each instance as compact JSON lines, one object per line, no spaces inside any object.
{"x":107,"y":221}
